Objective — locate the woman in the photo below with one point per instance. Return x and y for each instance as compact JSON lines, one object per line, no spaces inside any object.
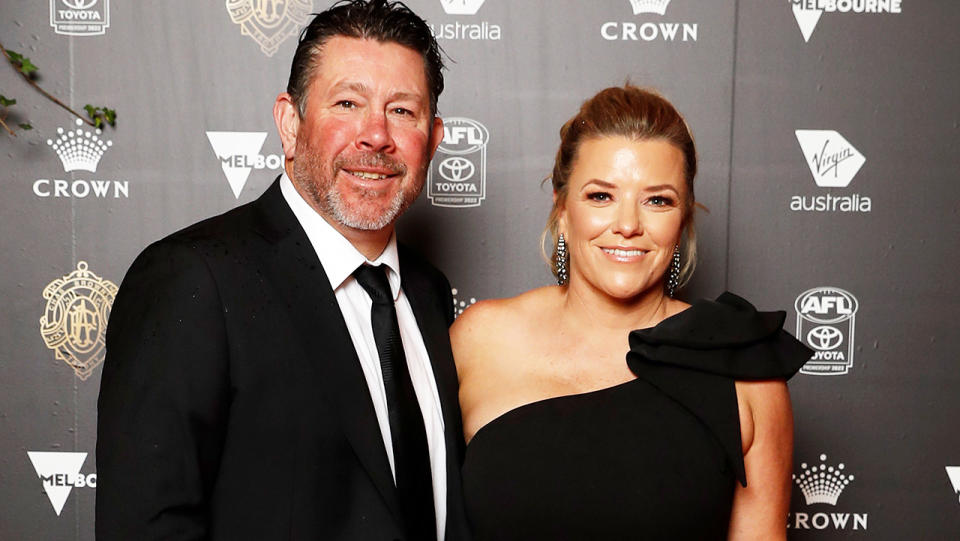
{"x":566,"y":439}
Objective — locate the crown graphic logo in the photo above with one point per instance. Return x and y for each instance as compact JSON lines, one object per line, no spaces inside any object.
{"x":79,"y":149}
{"x":822,"y":484}
{"x":649,"y":6}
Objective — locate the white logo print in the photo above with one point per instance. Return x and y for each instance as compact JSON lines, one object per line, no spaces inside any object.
{"x":458,"y":173}
{"x":60,"y":473}
{"x":808,"y":12}
{"x":825,"y":322}
{"x":474,"y":31}
{"x":239,"y":154}
{"x":833,"y":161}
{"x":461,"y":7}
{"x":953,"y":472}
{"x":80,"y":17}
{"x":650,"y":30}
{"x":79,"y":149}
{"x":458,"y":305}
{"x":650,"y":6}
{"x":807,"y":18}
{"x":823,"y":484}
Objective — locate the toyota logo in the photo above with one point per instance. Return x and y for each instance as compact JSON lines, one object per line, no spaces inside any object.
{"x":79,"y":4}
{"x":824,"y":337}
{"x":456,"y":169}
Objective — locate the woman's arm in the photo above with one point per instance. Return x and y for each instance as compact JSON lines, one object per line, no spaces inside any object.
{"x":766,"y":427}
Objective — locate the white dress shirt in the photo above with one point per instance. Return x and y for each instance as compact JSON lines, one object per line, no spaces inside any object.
{"x":339,"y":259}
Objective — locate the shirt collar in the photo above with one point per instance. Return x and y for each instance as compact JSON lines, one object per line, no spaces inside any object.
{"x":338,"y":257}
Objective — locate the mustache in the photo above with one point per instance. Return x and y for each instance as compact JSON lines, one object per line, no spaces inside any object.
{"x":377,"y":160}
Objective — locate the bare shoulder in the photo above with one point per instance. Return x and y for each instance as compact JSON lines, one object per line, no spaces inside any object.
{"x":488,"y":327}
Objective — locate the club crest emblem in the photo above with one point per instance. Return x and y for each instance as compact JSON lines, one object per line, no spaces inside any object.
{"x":75,"y":321}
{"x":269,"y":22}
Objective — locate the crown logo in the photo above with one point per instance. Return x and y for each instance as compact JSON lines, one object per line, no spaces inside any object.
{"x":79,"y":149}
{"x":649,"y":6}
{"x":822,"y":484}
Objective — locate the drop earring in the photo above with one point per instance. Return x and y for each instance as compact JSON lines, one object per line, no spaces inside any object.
{"x":561,"y":261}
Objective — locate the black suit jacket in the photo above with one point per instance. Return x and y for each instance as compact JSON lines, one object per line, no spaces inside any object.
{"x":232,"y":404}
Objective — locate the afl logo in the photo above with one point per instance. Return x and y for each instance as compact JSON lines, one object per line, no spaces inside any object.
{"x":825,"y":322}
{"x":826,"y":305}
{"x":458,"y":173}
{"x":463,"y":136}
{"x":456,"y":169}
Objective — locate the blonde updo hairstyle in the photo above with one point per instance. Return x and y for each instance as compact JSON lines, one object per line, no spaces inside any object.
{"x":634,"y":113}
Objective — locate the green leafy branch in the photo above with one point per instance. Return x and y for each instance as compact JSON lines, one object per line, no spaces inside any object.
{"x":96,"y":116}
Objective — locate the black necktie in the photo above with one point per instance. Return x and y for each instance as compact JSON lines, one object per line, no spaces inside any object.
{"x":411,"y":457}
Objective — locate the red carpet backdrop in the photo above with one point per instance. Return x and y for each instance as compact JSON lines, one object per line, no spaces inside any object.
{"x":827,"y":130}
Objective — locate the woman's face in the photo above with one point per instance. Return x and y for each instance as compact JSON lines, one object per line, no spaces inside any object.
{"x":623,"y":214}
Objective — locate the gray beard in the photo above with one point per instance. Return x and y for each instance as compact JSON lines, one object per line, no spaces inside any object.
{"x":328,"y":200}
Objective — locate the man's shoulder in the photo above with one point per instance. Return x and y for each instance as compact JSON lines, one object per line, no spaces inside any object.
{"x":222,"y":228}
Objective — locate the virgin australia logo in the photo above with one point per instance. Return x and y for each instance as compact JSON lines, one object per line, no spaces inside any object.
{"x":473,"y":30}
{"x":461,"y":7}
{"x":833,"y":162}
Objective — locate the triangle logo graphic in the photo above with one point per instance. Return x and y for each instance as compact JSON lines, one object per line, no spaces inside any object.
{"x":57,"y":472}
{"x":953,"y":472}
{"x":807,"y":20}
{"x":833,"y":161}
{"x":237,"y":151}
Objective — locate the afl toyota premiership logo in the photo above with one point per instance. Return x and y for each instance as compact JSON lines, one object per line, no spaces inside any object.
{"x":825,"y":322}
{"x":73,"y":326}
{"x":458,"y":172}
{"x":269,"y":22}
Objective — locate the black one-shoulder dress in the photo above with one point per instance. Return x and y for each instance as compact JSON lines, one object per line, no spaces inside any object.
{"x":653,"y":458}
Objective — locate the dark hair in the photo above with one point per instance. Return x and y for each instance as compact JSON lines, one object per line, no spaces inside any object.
{"x":636,"y":113}
{"x":380,"y":20}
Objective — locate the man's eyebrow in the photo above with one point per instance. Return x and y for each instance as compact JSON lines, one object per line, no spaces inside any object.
{"x":361,"y":88}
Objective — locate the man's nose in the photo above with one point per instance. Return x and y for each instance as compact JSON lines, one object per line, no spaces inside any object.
{"x":374,"y":133}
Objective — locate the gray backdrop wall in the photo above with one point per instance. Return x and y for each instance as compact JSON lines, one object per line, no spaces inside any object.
{"x":827,"y":135}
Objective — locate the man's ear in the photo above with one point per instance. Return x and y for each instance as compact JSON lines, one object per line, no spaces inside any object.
{"x":287,"y":118}
{"x":436,"y":135}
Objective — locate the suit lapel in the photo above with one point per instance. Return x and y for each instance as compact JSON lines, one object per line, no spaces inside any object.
{"x":296,"y":273}
{"x":428,"y":309}
{"x":433,"y":328}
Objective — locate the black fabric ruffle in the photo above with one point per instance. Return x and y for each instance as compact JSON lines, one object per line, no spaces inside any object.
{"x":696,"y":356}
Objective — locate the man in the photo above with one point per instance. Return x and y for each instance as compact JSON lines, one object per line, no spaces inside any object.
{"x":283,"y":371}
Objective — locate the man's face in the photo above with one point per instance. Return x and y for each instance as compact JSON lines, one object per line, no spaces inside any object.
{"x":367,"y":135}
